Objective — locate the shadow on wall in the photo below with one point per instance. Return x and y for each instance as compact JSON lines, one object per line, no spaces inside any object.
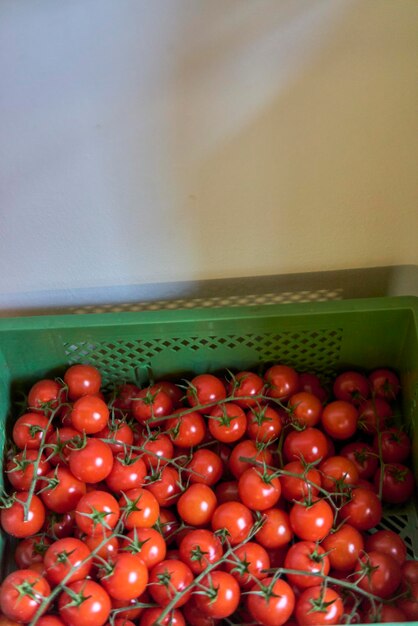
{"x":309,"y":161}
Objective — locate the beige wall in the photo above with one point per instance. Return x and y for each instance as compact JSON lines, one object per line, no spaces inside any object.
{"x":184,"y":139}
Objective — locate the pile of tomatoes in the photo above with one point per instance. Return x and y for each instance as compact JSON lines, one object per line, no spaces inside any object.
{"x":247,"y":499}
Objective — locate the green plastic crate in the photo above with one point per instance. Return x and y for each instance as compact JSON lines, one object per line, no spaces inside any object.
{"x":322,"y":337}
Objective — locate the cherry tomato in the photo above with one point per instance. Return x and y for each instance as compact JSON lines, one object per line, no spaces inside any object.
{"x":317,"y":606}
{"x":251,"y":562}
{"x":58,"y":525}
{"x":311,"y":522}
{"x":205,"y":467}
{"x":282,"y":381}
{"x":22,"y":593}
{"x":29,"y":429}
{"x":379,"y":574}
{"x":395,"y":445}
{"x":164,"y":485}
{"x":196,"y":505}
{"x":384,"y":613}
{"x":294,"y":488}
{"x":20,"y":469}
{"x":309,"y":558}
{"x":236,"y":520}
{"x":200,"y":548}
{"x":364,"y":510}
{"x":337,"y":472}
{"x":147,"y":543}
{"x":171,"y":389}
{"x":246,"y":385}
{"x":97,"y":512}
{"x":169,"y":578}
{"x":13,"y":516}
{"x":409,"y":604}
{"x":94,"y":609}
{"x":48,"y":620}
{"x":205,"y":389}
{"x":259,"y":489}
{"x":388,"y":542}
{"x":250,"y":449}
{"x":363,"y":457}
{"x":128,"y":472}
{"x":186,"y":431}
{"x":263,"y":424}
{"x":194,"y":616}
{"x":59,"y":444}
{"x":410,"y":571}
{"x":306,"y":409}
{"x":64,"y":490}
{"x":374,"y":414}
{"x":108,"y":549}
{"x":398,"y":483}
{"x":339,"y":419}
{"x":309,"y":445}
{"x":158,"y":449}
{"x":344,"y":547}
{"x":351,"y":387}
{"x":140,"y":509}
{"x":67,"y":556}
{"x":131,"y":610}
{"x":222,"y":597}
{"x":82,"y":380}
{"x":274,"y":607}
{"x":31,"y":550}
{"x":227,"y":491}
{"x":90,"y":414}
{"x":119,"y":432}
{"x":45,"y":394}
{"x":151,"y":403}
{"x":312,"y":384}
{"x":227,"y":422}
{"x":385,"y":384}
{"x":127,"y":577}
{"x":150,"y":617}
{"x":276,"y":531}
{"x":93,"y":462}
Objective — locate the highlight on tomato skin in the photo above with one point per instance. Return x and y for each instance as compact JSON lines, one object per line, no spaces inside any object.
{"x":252,"y":498}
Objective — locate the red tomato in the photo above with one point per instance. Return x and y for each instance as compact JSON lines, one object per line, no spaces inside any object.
{"x":246,"y":385}
{"x":259,"y":489}
{"x":388,"y":542}
{"x":351,"y":387}
{"x":126,"y":577}
{"x":251,"y":450}
{"x":150,"y":617}
{"x":227,"y":491}
{"x":194,"y":616}
{"x":82,"y":380}
{"x":13,"y":515}
{"x":363,"y":457}
{"x":309,"y":444}
{"x":311,"y":384}
{"x":344,"y":547}
{"x":92,"y":611}
{"x":93,"y":462}
{"x":263,"y":424}
{"x":205,"y":467}
{"x":294,"y":488}
{"x":108,"y":549}
{"x":222,"y":596}
{"x":317,"y":606}
{"x":97,"y":512}
{"x":157,"y":447}
{"x":64,"y":490}
{"x":364,"y":510}
{"x":379,"y":574}
{"x":147,"y":543}
{"x":123,"y":396}
{"x":339,"y":419}
{"x":31,"y":550}
{"x":128,"y":472}
{"x":186,"y":431}
{"x":45,"y":395}
{"x":409,"y":604}
{"x":169,"y":578}
{"x":150,"y":403}
{"x":337,"y":472}
{"x":205,"y":389}
{"x":398,"y":483}
{"x":282,"y":381}
{"x":22,"y":593}
{"x":20,"y":469}
{"x":236,"y":520}
{"x":276,"y":531}
{"x":196,"y":505}
{"x":395,"y":445}
{"x":119,"y":432}
{"x":248,"y":563}
{"x":168,"y":525}
{"x":47,"y":620}
{"x":90,"y":414}
{"x":200,"y":548}
{"x":59,"y":442}
{"x":164,"y":485}
{"x":385,"y":384}
{"x":176,"y":394}
{"x":129,"y":609}
{"x":311,"y":522}
{"x":140,"y":509}
{"x":273,"y":607}
{"x":309,"y":558}
{"x":59,"y":526}
{"x":410,"y":571}
{"x":227,"y":422}
{"x":29,"y":430}
{"x":306,"y":409}
{"x":383,"y":614}
{"x":67,"y":556}
{"x":374,"y":414}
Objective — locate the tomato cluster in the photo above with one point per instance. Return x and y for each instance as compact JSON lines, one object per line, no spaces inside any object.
{"x":252,"y":499}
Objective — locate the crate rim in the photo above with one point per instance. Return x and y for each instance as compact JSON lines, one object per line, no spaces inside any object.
{"x":87,"y":320}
